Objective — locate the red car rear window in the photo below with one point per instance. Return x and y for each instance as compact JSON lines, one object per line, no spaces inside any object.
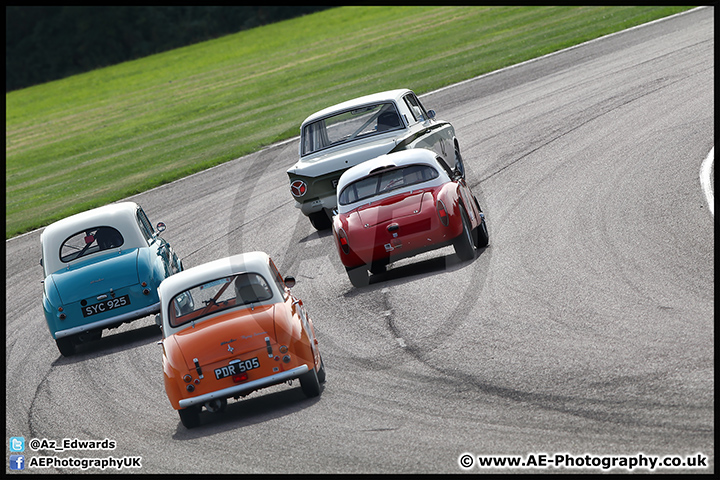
{"x":386,"y":181}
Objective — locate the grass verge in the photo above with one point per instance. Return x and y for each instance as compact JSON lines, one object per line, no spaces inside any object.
{"x":98,"y":137}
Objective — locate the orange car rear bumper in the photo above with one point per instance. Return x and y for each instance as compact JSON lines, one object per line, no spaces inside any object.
{"x":246,"y":387}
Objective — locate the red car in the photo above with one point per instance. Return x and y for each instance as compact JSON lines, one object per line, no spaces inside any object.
{"x":401,"y":204}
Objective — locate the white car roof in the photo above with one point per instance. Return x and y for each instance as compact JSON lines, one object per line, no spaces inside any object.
{"x":400,"y":158}
{"x":395,"y":159}
{"x":390,"y":95}
{"x":122,"y":216}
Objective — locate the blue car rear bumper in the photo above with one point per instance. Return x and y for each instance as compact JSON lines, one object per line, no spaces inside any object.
{"x":110,"y":322}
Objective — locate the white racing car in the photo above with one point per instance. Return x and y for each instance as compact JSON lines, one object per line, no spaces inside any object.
{"x":339,"y":137}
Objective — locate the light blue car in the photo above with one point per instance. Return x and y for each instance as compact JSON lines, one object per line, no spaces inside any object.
{"x":102,"y":269}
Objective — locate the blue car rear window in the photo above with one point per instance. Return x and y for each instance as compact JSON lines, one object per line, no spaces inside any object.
{"x":88,"y":241}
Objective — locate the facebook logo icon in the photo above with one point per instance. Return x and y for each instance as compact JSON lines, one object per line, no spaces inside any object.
{"x":17,"y":462}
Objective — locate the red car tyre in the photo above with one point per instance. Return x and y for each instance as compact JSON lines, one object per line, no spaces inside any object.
{"x":464,"y":245}
{"x":481,"y":234}
{"x":358,"y":276}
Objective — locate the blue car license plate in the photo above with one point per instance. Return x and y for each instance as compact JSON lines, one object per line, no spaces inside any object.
{"x":105,"y":306}
{"x":237,"y":367}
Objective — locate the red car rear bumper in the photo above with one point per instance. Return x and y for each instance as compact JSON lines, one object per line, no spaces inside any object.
{"x":398,"y":238}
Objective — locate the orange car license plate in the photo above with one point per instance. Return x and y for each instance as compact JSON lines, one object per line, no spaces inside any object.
{"x":236,"y":367}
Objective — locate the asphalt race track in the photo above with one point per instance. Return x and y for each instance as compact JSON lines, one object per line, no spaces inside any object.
{"x":585,"y":328}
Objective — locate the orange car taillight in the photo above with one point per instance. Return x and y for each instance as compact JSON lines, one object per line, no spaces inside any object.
{"x":342,"y":238}
{"x":442,"y":213}
{"x":240,"y":377}
{"x":187,"y":378}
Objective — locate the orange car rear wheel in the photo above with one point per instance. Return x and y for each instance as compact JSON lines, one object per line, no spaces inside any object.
{"x":321,"y":371}
{"x":310,"y":384}
{"x":190,"y":416}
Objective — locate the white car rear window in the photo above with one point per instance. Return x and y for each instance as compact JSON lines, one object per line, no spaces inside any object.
{"x":349,"y":125}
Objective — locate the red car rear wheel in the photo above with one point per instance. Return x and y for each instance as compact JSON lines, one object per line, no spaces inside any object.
{"x":464,"y":245}
{"x":358,"y":276}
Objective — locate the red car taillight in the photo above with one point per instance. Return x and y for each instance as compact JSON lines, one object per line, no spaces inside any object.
{"x":343,"y":240}
{"x":442,"y":213}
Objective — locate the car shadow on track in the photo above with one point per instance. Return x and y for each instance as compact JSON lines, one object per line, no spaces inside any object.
{"x":259,"y":407}
{"x":112,"y":343}
{"x":316,"y":235}
{"x":412,"y":268}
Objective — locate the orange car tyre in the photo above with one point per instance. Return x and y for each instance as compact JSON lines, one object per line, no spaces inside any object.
{"x":321,"y":372}
{"x":190,"y":417}
{"x":310,"y":384}
{"x":464,"y":246}
{"x":358,"y":276}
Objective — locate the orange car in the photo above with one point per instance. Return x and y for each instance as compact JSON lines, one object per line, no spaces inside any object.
{"x":230,"y":327}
